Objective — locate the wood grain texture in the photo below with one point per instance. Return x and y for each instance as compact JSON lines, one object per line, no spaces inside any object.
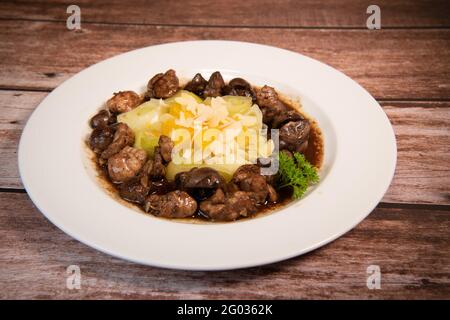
{"x":422,"y":130}
{"x":15,"y":109}
{"x":406,"y":66}
{"x":391,"y":64}
{"x":268,"y":13}
{"x":404,"y":242}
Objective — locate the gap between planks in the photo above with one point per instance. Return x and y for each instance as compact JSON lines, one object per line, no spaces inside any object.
{"x":227,"y":26}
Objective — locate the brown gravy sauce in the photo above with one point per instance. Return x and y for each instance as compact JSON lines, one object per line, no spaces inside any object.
{"x":314,"y":154}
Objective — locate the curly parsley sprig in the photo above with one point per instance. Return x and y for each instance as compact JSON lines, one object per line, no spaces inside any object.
{"x":297,"y":173}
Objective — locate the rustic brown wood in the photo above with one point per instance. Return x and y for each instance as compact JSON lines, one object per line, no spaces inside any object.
{"x":15,"y":108}
{"x":268,"y":13}
{"x":408,"y":61}
{"x":391,"y":64}
{"x":410,"y":246}
{"x":422,"y":130}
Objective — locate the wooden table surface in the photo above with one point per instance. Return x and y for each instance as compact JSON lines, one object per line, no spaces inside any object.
{"x":405,"y":66}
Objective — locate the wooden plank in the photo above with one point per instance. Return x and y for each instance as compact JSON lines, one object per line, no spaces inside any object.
{"x":422,"y":130}
{"x":269,"y":13}
{"x":15,"y":109}
{"x":391,"y":64}
{"x":409,"y":245}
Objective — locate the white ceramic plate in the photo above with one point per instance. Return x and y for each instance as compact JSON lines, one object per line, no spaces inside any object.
{"x":360,"y":157}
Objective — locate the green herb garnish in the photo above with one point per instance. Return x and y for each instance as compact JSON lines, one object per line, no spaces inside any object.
{"x":297,"y":173}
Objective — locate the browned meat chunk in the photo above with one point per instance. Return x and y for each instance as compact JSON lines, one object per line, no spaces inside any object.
{"x":216,"y":209}
{"x":199,"y":182}
{"x":123,"y":101}
{"x":230,"y":207}
{"x":197,"y":85}
{"x":163,"y":85}
{"x":270,"y":104}
{"x":247,"y":190}
{"x":248,"y":178}
{"x":101,"y":138}
{"x":102,"y":119}
{"x":154,"y":170}
{"x":239,"y":87}
{"x":126,"y":164}
{"x":294,"y":135}
{"x":284,"y":117}
{"x":158,"y":169}
{"x":161,"y":186}
{"x":242,"y":202}
{"x":256,"y":184}
{"x":165,"y":148}
{"x":245,"y":171}
{"x":123,"y":136}
{"x":294,"y":128}
{"x":132,"y":190}
{"x":154,"y":178}
{"x":175,"y":204}
{"x":214,"y":86}
{"x":267,"y":97}
{"x":230,"y":187}
{"x":199,"y":178}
